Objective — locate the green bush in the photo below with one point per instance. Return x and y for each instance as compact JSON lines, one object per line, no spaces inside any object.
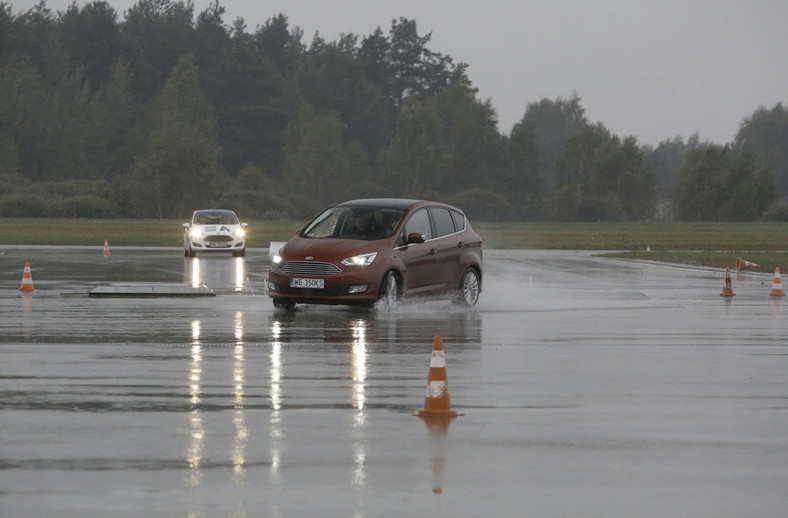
{"x":24,"y":205}
{"x":76,"y":187}
{"x":256,"y":205}
{"x":11,"y":183}
{"x":366,"y":190}
{"x":29,"y":205}
{"x":777,"y":212}
{"x":84,"y":206}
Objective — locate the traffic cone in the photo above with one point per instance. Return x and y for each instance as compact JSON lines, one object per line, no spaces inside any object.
{"x":740,"y":263}
{"x":777,"y":284}
{"x":106,"y":248}
{"x":727,"y":291}
{"x":27,"y":279}
{"x":437,"y":401}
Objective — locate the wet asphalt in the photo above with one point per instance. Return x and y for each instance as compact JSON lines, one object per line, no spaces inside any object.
{"x":589,"y":387}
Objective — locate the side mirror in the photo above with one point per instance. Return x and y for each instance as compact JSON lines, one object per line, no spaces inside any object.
{"x":244,"y":225}
{"x":185,"y":225}
{"x":415,"y":238}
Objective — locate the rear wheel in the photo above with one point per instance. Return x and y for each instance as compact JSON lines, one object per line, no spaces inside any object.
{"x":390,"y":292}
{"x":469,"y":288}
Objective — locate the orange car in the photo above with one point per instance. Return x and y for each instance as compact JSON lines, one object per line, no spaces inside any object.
{"x":364,"y":251}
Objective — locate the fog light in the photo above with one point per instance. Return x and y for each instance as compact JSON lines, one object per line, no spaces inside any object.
{"x":361,"y":288}
{"x":271,"y":286}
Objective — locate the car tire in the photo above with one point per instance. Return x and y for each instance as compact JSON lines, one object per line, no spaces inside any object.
{"x":284,"y":304}
{"x":188,"y":252}
{"x":469,"y":289}
{"x":390,"y":292}
{"x":240,"y":253}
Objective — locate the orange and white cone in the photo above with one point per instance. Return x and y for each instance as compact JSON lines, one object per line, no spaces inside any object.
{"x":727,"y":290}
{"x":27,"y":279}
{"x":106,"y":248}
{"x":437,"y":401}
{"x":741,"y":263}
{"x":777,"y":284}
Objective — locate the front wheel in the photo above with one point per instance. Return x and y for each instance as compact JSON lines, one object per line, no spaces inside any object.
{"x":287,"y":305}
{"x":469,"y":288}
{"x":390,"y":292}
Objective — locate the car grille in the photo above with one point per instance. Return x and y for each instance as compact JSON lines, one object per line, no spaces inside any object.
{"x":219,"y":238}
{"x":309,"y":268}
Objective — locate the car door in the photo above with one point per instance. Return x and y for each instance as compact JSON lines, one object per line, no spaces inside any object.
{"x":448,"y":240}
{"x":421,"y":260}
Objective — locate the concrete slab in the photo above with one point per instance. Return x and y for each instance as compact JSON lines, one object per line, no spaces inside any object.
{"x":151,"y":290}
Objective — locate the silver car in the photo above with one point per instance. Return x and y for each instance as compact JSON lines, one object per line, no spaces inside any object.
{"x":214,"y":230}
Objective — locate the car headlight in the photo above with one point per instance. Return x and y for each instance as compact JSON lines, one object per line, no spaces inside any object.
{"x":240,"y":232}
{"x":196,"y":233}
{"x":276,"y":259}
{"x":360,"y":260}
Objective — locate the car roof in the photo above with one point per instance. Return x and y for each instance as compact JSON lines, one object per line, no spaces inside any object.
{"x":393,"y":203}
{"x":213,"y":210}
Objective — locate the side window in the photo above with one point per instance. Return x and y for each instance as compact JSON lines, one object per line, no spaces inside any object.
{"x":459,"y":220}
{"x":444,"y":225}
{"x":418,"y":222}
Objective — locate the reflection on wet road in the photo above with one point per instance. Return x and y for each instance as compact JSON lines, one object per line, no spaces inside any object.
{"x":589,"y":386}
{"x":222,"y":274}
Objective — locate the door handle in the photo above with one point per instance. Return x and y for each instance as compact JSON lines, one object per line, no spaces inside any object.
{"x":433,"y":251}
{"x":461,"y":245}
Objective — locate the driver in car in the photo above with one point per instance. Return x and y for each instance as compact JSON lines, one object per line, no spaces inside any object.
{"x":362,"y":225}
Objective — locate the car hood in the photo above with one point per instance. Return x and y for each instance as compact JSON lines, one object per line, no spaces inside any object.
{"x":328,"y":249}
{"x":217,"y":227}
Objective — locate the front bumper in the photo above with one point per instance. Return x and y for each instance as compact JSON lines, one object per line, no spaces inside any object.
{"x":216,"y":245}
{"x":338,"y":289}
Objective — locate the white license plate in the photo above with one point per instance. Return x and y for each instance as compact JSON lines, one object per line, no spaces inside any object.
{"x":217,"y":244}
{"x":297,"y":282}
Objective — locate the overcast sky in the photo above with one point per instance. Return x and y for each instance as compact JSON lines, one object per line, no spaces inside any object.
{"x":652,"y":69}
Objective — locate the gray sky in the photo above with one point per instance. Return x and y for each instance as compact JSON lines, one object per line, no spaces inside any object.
{"x":652,"y":69}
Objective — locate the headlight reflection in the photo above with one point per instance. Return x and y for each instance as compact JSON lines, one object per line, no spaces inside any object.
{"x":196,"y":274}
{"x":238,"y":449}
{"x":359,"y":377}
{"x":359,"y":362}
{"x":194,"y":452}
{"x":240,"y":273}
{"x":275,"y":393}
{"x":238,"y":326}
{"x":221,"y":272}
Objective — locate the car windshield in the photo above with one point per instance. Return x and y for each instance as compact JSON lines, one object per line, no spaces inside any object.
{"x":365,"y":223}
{"x":215,"y":218}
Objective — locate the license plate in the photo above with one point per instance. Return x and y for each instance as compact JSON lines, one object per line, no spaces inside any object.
{"x":297,"y":282}
{"x":217,"y":244}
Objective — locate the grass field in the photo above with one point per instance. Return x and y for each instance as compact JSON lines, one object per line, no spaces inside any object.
{"x":709,"y":244}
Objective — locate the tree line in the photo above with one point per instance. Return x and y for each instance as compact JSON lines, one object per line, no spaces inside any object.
{"x":168,"y":110}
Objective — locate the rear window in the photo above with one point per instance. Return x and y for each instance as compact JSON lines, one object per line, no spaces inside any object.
{"x":459,"y":220}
